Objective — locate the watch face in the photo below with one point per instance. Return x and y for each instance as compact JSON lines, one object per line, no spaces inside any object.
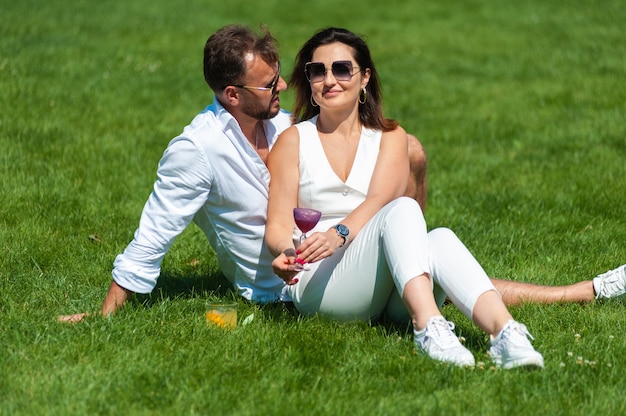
{"x":343,"y":230}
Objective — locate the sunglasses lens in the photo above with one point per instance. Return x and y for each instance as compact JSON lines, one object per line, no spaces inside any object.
{"x":275,"y":83}
{"x":315,"y":71}
{"x":342,"y":71}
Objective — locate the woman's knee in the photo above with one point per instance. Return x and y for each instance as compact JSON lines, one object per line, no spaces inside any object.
{"x":441,"y":235}
{"x":405,"y":205}
{"x":402,"y":213}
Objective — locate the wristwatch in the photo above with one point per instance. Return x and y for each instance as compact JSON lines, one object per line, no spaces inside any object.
{"x":343,"y":232}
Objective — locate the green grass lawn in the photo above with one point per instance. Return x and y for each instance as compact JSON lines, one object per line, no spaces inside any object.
{"x":520,"y":105}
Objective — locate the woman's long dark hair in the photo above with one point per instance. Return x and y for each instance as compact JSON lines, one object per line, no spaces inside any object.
{"x":370,"y":113}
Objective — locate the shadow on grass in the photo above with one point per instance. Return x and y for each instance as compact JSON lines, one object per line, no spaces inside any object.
{"x":390,"y":326}
{"x":472,"y":337}
{"x":177,"y":286}
{"x":215,"y":285}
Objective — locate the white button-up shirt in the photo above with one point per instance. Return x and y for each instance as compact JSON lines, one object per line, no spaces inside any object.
{"x":209,"y":174}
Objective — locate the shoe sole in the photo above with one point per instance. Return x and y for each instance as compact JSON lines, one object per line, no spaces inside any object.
{"x":530,"y":363}
{"x":467,"y":363}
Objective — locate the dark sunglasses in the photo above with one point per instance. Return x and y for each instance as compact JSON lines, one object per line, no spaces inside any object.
{"x":342,"y":71}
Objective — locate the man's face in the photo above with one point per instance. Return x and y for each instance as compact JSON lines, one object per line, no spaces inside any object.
{"x":261,"y":88}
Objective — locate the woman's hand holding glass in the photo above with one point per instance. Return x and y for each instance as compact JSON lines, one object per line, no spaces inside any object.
{"x":317,"y":247}
{"x":284,"y":266}
{"x":306,"y":219}
{"x":312,"y":248}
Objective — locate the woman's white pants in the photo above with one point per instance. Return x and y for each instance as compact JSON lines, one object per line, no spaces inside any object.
{"x":367,"y":277}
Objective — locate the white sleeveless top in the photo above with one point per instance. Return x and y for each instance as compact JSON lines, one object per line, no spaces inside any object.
{"x":321,"y":188}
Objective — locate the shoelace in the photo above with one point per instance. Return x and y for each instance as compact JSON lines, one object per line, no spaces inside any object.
{"x":519,"y":329}
{"x":444,"y":332}
{"x":610,"y":278}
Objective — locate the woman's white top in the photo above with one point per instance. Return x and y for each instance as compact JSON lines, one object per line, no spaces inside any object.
{"x":321,"y":188}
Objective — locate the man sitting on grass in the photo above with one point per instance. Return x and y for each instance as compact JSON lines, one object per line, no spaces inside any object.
{"x":214,"y":174}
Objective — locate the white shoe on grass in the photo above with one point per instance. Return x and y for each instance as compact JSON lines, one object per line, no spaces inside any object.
{"x":611,"y":284}
{"x":439,"y":342}
{"x":511,"y":348}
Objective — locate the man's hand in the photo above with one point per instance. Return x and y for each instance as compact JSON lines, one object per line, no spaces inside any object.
{"x":115,"y":298}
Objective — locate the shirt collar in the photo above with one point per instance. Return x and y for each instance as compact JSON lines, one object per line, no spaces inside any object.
{"x":222,"y":114}
{"x":227,"y":120}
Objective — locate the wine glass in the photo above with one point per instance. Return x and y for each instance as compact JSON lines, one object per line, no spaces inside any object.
{"x":306,"y":219}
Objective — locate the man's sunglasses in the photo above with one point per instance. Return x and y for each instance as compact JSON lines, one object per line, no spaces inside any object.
{"x":342,"y":71}
{"x":271,"y":87}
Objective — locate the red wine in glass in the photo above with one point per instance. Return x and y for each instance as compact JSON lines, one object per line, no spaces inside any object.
{"x":306,"y":219}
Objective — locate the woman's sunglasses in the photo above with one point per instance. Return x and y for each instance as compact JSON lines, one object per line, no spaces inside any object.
{"x":342,"y":71}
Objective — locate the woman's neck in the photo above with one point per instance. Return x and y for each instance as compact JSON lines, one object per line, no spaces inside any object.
{"x":334,"y":123}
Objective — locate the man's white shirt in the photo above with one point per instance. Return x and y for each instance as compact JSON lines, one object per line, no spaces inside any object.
{"x":209,"y":174}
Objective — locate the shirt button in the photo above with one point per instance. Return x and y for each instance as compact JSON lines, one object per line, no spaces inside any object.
{"x":344,"y":193}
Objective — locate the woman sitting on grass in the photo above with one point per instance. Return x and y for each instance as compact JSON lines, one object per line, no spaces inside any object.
{"x":371,"y":248}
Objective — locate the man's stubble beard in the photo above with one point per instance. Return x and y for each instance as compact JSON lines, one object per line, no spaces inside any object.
{"x":261,"y":113}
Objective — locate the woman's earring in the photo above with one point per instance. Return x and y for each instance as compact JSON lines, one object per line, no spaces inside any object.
{"x":313,"y":103}
{"x":363,"y":96}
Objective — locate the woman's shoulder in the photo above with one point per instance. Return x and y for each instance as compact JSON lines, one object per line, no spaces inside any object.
{"x":397,"y":130}
{"x":289,"y":138}
{"x":398,"y":133}
{"x":307,"y":123}
{"x":306,"y":127}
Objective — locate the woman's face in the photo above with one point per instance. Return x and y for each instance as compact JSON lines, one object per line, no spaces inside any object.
{"x":338,"y":62}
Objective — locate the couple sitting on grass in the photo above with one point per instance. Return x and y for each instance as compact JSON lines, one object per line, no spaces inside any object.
{"x":371,"y":253}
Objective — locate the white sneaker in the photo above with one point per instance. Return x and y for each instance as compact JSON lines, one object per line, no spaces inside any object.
{"x":611,"y":284}
{"x":439,"y":342}
{"x":511,"y":348}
